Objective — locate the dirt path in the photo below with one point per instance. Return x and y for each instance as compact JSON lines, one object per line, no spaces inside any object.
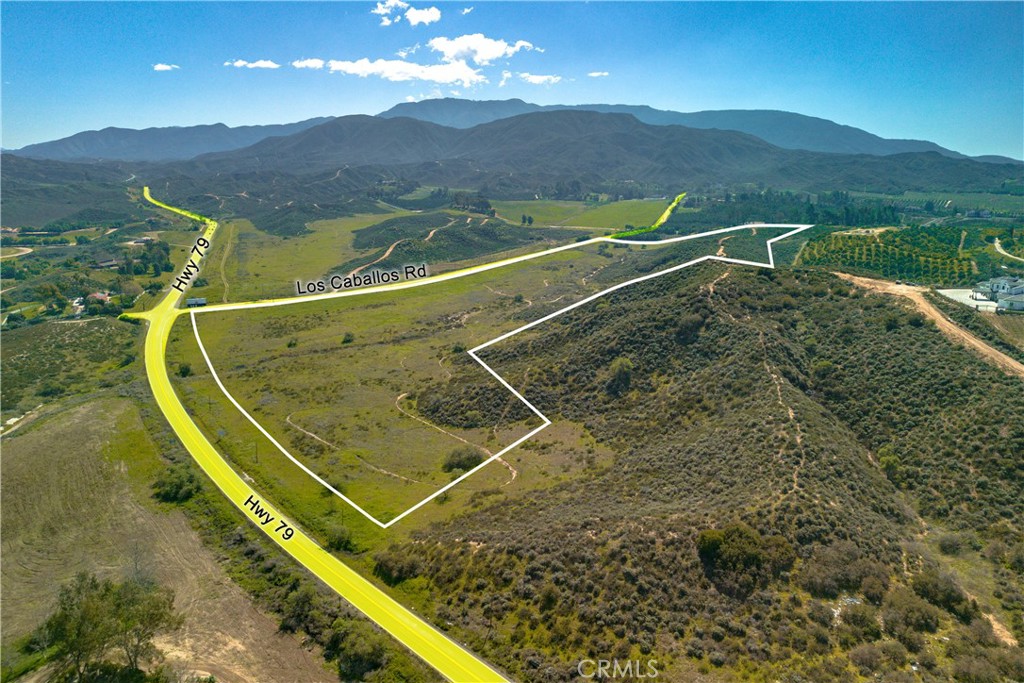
{"x":21,"y":252}
{"x":948,"y":327}
{"x":510,"y":296}
{"x":378,"y":470}
{"x":721,"y":246}
{"x":999,"y":248}
{"x":798,"y":433}
{"x":308,"y":433}
{"x":512,"y":470}
{"x":436,"y":229}
{"x":386,"y":254}
{"x":224,"y":260}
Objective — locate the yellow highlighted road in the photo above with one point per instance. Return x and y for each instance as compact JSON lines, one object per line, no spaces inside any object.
{"x":449,"y":658}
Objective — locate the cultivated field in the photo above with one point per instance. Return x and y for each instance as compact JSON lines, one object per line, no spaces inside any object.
{"x":612,"y":216}
{"x":965,"y":201}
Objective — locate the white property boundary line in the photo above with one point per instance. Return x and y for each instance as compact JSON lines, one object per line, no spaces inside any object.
{"x":473,"y":352}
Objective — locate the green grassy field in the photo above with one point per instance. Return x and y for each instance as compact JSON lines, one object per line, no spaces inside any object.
{"x":611,"y":216}
{"x":259,"y":265}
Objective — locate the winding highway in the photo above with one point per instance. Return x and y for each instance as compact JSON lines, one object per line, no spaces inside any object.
{"x":449,"y":658}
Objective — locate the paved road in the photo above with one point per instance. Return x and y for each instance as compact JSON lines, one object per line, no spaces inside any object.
{"x":449,"y":658}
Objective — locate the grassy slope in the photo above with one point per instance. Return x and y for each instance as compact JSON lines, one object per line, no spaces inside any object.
{"x":261,"y":265}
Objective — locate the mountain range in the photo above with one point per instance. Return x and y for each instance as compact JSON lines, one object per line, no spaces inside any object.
{"x":517,"y":154}
{"x":561,"y":153}
{"x":782,"y":129}
{"x":158,"y":144}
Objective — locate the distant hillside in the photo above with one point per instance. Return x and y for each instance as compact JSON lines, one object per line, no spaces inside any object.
{"x":781,"y":128}
{"x":519,"y":154}
{"x":345,"y":141}
{"x":37,"y":192}
{"x":158,"y":144}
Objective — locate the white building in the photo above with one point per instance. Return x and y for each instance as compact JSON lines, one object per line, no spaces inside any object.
{"x":1011,"y":302}
{"x":999,"y":287}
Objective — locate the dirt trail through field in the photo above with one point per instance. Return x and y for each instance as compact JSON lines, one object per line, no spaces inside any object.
{"x":441,"y":228}
{"x":21,"y":251}
{"x":513,"y":473}
{"x":228,"y":245}
{"x":378,"y":470}
{"x":386,"y":254}
{"x":948,"y":327}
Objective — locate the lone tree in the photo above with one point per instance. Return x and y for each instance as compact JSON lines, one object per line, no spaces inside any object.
{"x":622,"y":376}
{"x":463,"y":458}
{"x":81,"y":630}
{"x":142,"y":609}
{"x":94,"y":618}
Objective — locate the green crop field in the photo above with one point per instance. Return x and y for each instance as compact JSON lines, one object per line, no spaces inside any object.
{"x":617,"y":215}
{"x":610,"y":216}
{"x":544,"y":211}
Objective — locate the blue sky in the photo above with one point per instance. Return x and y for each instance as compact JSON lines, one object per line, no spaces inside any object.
{"x":951,"y":72}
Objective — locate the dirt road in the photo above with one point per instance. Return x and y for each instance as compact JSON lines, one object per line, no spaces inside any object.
{"x":1001,"y":250}
{"x":19,"y":251}
{"x":949,"y":328}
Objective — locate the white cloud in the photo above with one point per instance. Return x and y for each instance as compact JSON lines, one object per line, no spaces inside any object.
{"x":258,"y":64}
{"x":406,"y":51}
{"x":535,"y":79}
{"x":597,"y":74}
{"x":466,"y":10}
{"x":308,"y":64}
{"x":389,"y":6}
{"x":165,"y":67}
{"x":399,"y":70}
{"x":455,"y":93}
{"x":422,"y":16}
{"x":505,"y":75}
{"x":476,"y":47}
{"x":410,"y":98}
{"x":386,"y":21}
